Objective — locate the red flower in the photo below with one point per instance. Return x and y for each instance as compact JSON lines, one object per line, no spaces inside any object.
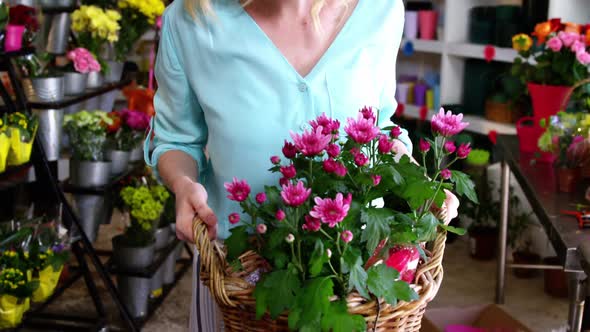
{"x":24,"y":15}
{"x":288,"y":172}
{"x":555,"y":24}
{"x":116,"y":123}
{"x":289,"y":150}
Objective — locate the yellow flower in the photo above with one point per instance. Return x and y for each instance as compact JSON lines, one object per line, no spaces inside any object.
{"x":522,"y":42}
{"x":113,"y":14}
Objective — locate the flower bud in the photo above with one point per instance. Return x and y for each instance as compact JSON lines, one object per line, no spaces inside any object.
{"x":290,"y":238}
{"x":261,"y":228}
{"x":346,"y":236}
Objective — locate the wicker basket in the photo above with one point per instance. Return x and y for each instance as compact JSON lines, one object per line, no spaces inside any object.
{"x":234,"y":295}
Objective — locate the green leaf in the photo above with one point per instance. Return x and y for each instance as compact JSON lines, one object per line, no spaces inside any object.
{"x":418,"y":192}
{"x":237,"y":243}
{"x":464,"y":186}
{"x":337,"y":319}
{"x":451,"y":229}
{"x":318,"y":258}
{"x":352,"y":263}
{"x":382,"y":283}
{"x":311,"y":303}
{"x":276,"y":293}
{"x":426,"y":228}
{"x":377,"y":226}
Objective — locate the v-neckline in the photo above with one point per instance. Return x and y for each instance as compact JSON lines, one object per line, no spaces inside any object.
{"x":324,"y":55}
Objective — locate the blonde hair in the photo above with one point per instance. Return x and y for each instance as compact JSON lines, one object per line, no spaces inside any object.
{"x":203,"y":7}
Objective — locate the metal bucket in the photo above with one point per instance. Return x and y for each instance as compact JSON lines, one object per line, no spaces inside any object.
{"x":119,"y":161}
{"x":92,"y":212}
{"x":115,"y":71}
{"x":50,"y":131}
{"x":131,"y":258}
{"x":136,"y":154}
{"x":134,"y":293}
{"x":51,"y":4}
{"x":90,"y":173}
{"x":162,"y":237}
{"x":57,"y":40}
{"x":92,"y":104}
{"x":107,"y":100}
{"x":44,"y":88}
{"x":156,"y":282}
{"x":74,"y":83}
{"x":95,"y":80}
{"x":169,"y":268}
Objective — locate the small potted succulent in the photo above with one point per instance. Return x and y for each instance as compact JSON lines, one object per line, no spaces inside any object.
{"x":22,"y":130}
{"x":76,"y":73}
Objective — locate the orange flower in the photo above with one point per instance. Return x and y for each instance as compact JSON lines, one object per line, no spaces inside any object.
{"x":588,"y":35}
{"x":542,"y":30}
{"x":113,"y":127}
{"x":572,"y":27}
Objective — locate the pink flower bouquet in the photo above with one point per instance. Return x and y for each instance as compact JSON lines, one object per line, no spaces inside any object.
{"x":83,"y":61}
{"x":321,"y":231}
{"x":131,"y":129}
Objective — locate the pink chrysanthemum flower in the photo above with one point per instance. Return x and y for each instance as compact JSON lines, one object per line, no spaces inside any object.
{"x":385,"y":144}
{"x":346,"y":236}
{"x":330,"y":211}
{"x":368,"y":113}
{"x":330,"y":126}
{"x":260,"y":198}
{"x":275,"y":160}
{"x":450,"y":146}
{"x":311,"y":224}
{"x":447,"y":124}
{"x":280,"y":215}
{"x":295,"y":195}
{"x":288,"y":171}
{"x":395,"y":132}
{"x":261,"y":228}
{"x":312,"y":142}
{"x":340,"y":170}
{"x":464,"y":150}
{"x":360,"y":159}
{"x":424,"y":146}
{"x":445,"y":174}
{"x":330,"y":165}
{"x":333,"y":150}
{"x":376,"y":179}
{"x":238,"y":190}
{"x":361,"y":130}
{"x":234,"y":218}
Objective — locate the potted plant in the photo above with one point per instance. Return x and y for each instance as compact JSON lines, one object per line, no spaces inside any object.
{"x":308,"y":254}
{"x":96,"y":28}
{"x":118,"y":144}
{"x":76,"y":73}
{"x":4,"y":142}
{"x":500,"y":109}
{"x":88,"y":135}
{"x":566,"y":137}
{"x":15,"y":292}
{"x":22,"y":129}
{"x":22,"y":27}
{"x":137,"y":18}
{"x":40,"y":82}
{"x":522,"y":251}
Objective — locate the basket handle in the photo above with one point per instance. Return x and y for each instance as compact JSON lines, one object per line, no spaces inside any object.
{"x":571,"y":91}
{"x":212,"y":260}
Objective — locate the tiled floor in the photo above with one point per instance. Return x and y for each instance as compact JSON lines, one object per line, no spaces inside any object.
{"x":466,"y":282}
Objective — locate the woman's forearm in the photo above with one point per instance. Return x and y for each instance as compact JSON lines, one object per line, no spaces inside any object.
{"x":175,"y":167}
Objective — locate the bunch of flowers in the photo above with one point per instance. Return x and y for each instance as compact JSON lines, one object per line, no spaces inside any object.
{"x":25,"y":16}
{"x":83,"y":61}
{"x":562,"y":57}
{"x":26,"y":125}
{"x":14,"y":282}
{"x":127,"y":130}
{"x":322,"y":233}
{"x":566,"y":135}
{"x":88,"y":134}
{"x":137,"y":17}
{"x":145,"y":205}
{"x":95,"y":27}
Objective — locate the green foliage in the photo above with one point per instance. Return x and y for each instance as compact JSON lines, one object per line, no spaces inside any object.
{"x":337,"y":319}
{"x":277,"y":292}
{"x":14,"y":282}
{"x":4,"y":10}
{"x":318,"y":259}
{"x":237,"y":243}
{"x":352,"y":264}
{"x":383,"y":284}
{"x":377,"y":226}
{"x":145,"y":205}
{"x":464,"y":186}
{"x":311,"y":304}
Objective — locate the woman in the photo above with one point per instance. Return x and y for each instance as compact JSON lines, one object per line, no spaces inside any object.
{"x":236,"y":79}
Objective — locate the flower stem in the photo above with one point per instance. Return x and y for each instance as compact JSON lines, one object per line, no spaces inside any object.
{"x":310,"y":173}
{"x":428,"y":205}
{"x":326,"y":234}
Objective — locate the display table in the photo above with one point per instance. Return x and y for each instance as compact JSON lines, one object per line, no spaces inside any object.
{"x":538,"y":183}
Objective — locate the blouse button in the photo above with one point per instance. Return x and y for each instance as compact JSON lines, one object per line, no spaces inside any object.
{"x":302,"y":87}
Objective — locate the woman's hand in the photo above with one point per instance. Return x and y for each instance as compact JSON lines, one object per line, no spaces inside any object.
{"x":450,"y":207}
{"x":191,"y":201}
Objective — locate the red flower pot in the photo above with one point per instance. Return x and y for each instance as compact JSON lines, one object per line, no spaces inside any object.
{"x":547,"y":100}
{"x":528,"y":132}
{"x":568,"y":178}
{"x":13,"y":40}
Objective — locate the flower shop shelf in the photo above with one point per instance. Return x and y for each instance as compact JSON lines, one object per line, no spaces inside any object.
{"x":426,"y":46}
{"x":21,"y":52}
{"x":71,"y":100}
{"x":478,"y":124}
{"x":100,"y":190}
{"x":14,"y":175}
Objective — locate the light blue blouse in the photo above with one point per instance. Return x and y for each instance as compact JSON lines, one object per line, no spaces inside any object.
{"x":224,"y":87}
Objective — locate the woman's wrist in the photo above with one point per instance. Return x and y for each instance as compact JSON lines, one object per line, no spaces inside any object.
{"x":179,"y":183}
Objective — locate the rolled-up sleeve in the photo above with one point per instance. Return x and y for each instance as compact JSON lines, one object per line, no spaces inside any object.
{"x":388,"y":104}
{"x":179,"y":123}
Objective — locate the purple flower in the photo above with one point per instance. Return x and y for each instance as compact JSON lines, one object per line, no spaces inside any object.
{"x":447,"y":124}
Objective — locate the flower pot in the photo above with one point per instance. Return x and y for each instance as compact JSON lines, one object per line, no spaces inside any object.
{"x":92,"y":211}
{"x":555,"y":283}
{"x":411,"y":25}
{"x":107,"y":100}
{"x":500,"y":112}
{"x":12,"y":310}
{"x":528,"y":136}
{"x":57,"y":40}
{"x":547,"y":100}
{"x":134,"y":293}
{"x":162,"y":237}
{"x":119,"y":160}
{"x":95,"y":80}
{"x":48,"y":279}
{"x":90,"y":173}
{"x":51,"y":4}
{"x":115,"y":71}
{"x":13,"y":39}
{"x":4,"y":148}
{"x":482,"y":243}
{"x":19,"y":152}
{"x":156,"y":282}
{"x":525,"y":258}
{"x":169,"y":268}
{"x":428,"y":21}
{"x":136,"y":154}
{"x":44,"y":88}
{"x":50,"y":131}
{"x":568,"y":178}
{"x":74,"y":83}
{"x":132,"y":258}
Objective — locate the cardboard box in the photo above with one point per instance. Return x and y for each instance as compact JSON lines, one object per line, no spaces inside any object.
{"x":483,"y":318}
